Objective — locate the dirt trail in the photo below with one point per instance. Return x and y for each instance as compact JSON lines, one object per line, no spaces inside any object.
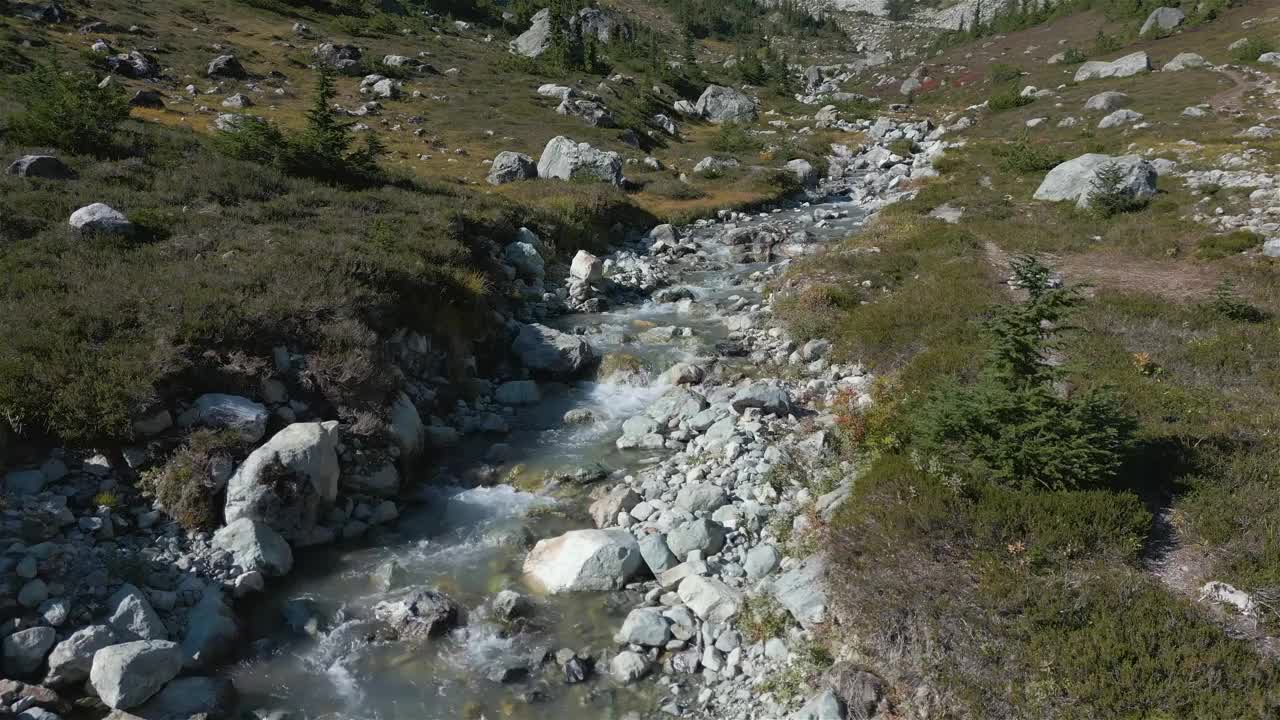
{"x":1230,"y":100}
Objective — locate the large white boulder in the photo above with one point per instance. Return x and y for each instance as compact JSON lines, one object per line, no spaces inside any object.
{"x":586,"y":267}
{"x":1129,"y":65}
{"x":802,"y":591}
{"x":100,"y":218}
{"x":564,"y":159}
{"x":524,"y":257}
{"x":287,"y":482}
{"x":1185,"y":61}
{"x":583,"y":560}
{"x":720,"y":104}
{"x":1074,"y":180}
{"x":25,"y":650}
{"x":406,"y":427}
{"x":128,"y":674}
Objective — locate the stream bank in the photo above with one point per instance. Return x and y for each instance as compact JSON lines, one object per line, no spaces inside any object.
{"x":668,"y":469}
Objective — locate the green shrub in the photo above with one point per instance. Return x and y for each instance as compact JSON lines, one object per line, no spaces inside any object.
{"x":1227,"y":303}
{"x":1107,"y":195}
{"x":1049,"y":529}
{"x":1119,"y":646}
{"x":674,"y":189}
{"x":1011,"y":426}
{"x":903,"y":147}
{"x":1228,"y":244}
{"x":1003,"y":74}
{"x":1008,"y":98}
{"x":321,"y":150}
{"x":1025,"y":156}
{"x":67,"y":110}
{"x":1252,"y":48}
{"x":1073,"y":56}
{"x":183,"y":486}
{"x":735,"y":138}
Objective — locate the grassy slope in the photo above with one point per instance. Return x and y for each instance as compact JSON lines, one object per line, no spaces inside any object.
{"x":239,"y":258}
{"x":1052,"y":605}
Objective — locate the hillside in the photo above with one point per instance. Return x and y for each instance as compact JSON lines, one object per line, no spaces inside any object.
{"x":639,"y":358}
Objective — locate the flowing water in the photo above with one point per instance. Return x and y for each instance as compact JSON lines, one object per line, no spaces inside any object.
{"x":470,"y":543}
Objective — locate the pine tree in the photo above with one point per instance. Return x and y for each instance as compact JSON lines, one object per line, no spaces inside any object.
{"x":321,"y":148}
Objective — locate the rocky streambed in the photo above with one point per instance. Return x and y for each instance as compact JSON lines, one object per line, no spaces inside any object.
{"x":587,"y":551}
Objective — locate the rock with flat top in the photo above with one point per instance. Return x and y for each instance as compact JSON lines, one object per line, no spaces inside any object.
{"x":1127,"y":66}
{"x":129,"y":674}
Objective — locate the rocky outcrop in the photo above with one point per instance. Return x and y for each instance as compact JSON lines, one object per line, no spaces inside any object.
{"x":288,"y":481}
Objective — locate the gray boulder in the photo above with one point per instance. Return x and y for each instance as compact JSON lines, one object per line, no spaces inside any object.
{"x":209,"y":698}
{"x":287,"y":482}
{"x":770,"y":398}
{"x":760,"y":561}
{"x":823,"y":706}
{"x":225,"y":66}
{"x":591,"y":112}
{"x":24,"y":482}
{"x":702,"y":535}
{"x":710,"y":599}
{"x":525,"y":259}
{"x":1184,"y":61}
{"x":406,"y":427}
{"x":127,"y":675}
{"x":71,"y":659}
{"x":1074,"y":180}
{"x":602,"y":25}
{"x":802,"y":591}
{"x":627,"y":667}
{"x":620,"y":499}
{"x":537,"y":39}
{"x":645,"y":626}
{"x":564,"y":159}
{"x":1118,"y":118}
{"x":100,"y":218}
{"x":419,"y":614}
{"x":232,"y":412}
{"x":212,"y":633}
{"x":551,"y":352}
{"x":1162,"y":20}
{"x":656,"y":554}
{"x":1106,"y":101}
{"x":340,"y":57}
{"x":255,"y":546}
{"x":25,"y":650}
{"x":133,"y":618}
{"x":584,"y":560}
{"x":701,"y":497}
{"x":46,"y":167}
{"x":1126,"y":66}
{"x":518,"y":392}
{"x":720,"y":104}
{"x":803,"y":171}
{"x":510,"y":167}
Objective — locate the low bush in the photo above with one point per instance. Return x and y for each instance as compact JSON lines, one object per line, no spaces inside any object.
{"x":67,"y":110}
{"x":1252,"y":48}
{"x":1004,"y":74}
{"x":1008,"y":97}
{"x":1024,"y":156}
{"x":1228,"y":244}
{"x":674,"y":189}
{"x":734,"y":138}
{"x":185,"y":487}
{"x":1073,"y":56}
